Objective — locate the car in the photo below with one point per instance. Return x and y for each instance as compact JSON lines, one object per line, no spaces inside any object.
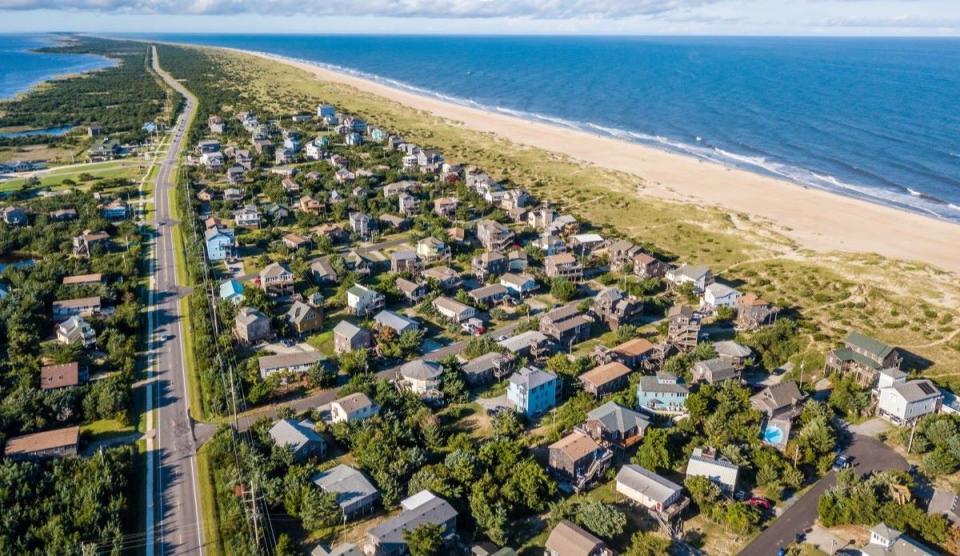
{"x":842,"y":462}
{"x":501,"y":337}
{"x":759,"y":502}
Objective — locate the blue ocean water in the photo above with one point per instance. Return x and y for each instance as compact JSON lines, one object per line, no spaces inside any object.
{"x":872,"y":118}
{"x":21,"y":69}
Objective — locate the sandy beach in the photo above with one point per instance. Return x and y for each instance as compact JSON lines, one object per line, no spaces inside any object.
{"x":816,"y":219}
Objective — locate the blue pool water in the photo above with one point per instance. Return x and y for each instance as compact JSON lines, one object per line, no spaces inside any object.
{"x":874,"y":118}
{"x":772,"y":434}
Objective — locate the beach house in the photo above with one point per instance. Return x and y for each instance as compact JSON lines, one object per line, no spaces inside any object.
{"x":387,"y":539}
{"x":905,"y":402}
{"x":220,"y":243}
{"x":662,"y":393}
{"x":300,"y":437}
{"x":532,"y":391}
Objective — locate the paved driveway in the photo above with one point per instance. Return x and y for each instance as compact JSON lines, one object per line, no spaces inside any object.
{"x":869,"y":455}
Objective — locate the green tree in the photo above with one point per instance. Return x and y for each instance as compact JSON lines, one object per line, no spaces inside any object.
{"x":601,"y":519}
{"x":655,"y":453}
{"x":425,"y":540}
{"x":647,"y":544}
{"x":562,"y":289}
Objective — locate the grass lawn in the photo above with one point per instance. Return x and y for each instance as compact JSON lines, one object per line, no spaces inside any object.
{"x":126,"y":168}
{"x":323,"y":342}
{"x":208,"y":502}
{"x":105,"y":429}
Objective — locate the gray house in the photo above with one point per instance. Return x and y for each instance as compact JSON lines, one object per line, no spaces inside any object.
{"x":355,"y":494}
{"x":386,"y":539}
{"x":300,"y":436}
{"x":348,"y":337}
{"x":251,"y":325}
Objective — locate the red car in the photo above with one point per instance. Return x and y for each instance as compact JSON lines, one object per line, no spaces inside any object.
{"x":759,"y":502}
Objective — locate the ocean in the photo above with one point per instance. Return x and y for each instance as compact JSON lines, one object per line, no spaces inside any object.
{"x":21,"y":69}
{"x":876,"y":119}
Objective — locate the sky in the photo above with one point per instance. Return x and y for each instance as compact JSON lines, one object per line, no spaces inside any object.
{"x":585,"y":17}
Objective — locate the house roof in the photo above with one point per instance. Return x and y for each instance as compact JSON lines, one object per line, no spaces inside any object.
{"x":559,"y":259}
{"x":605,"y":374}
{"x":488,"y":291}
{"x":393,"y":320}
{"x":516,"y":280}
{"x":288,"y":432}
{"x":916,"y":390}
{"x":717,"y":289}
{"x":354,"y":402}
{"x":346,"y":329}
{"x":39,"y":441}
{"x":532,"y":377}
{"x":635,"y":347}
{"x":483,"y":363}
{"x":652,"y":384}
{"x":693,"y":272}
{"x":83,"y":279}
{"x":707,"y":463}
{"x":451,"y":305}
{"x":729,"y":348}
{"x":615,"y":417}
{"x":75,"y":303}
{"x":441,"y":273}
{"x":274,"y":270}
{"x":715,"y":369}
{"x":59,"y":376}
{"x":523,"y":340}
{"x":868,"y":344}
{"x":576,"y":445}
{"x":270,"y":362}
{"x":647,"y":482}
{"x":568,"y":539}
{"x":406,"y":286}
{"x":299,"y":311}
{"x":348,"y":484}
{"x":248,"y":315}
{"x":779,"y":395}
{"x":420,"y":369}
{"x":434,"y":510}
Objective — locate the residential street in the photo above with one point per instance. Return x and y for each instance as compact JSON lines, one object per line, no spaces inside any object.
{"x":172,"y":473}
{"x":869,"y":454}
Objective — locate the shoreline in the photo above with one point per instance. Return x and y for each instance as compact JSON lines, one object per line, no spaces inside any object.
{"x":62,"y":73}
{"x":816,"y":219}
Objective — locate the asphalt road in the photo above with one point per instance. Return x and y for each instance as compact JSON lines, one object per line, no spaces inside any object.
{"x":869,"y":455}
{"x":175,"y":501}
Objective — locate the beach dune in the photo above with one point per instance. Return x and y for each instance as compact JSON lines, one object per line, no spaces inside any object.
{"x":815,"y":219}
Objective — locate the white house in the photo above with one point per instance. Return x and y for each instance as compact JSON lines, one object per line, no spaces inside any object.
{"x":706,"y":462}
{"x":718,"y":295}
{"x":453,"y":310}
{"x":363,"y":301}
{"x":646,"y":488}
{"x":519,"y":284}
{"x":299,"y":362}
{"x":905,"y":402}
{"x":699,"y":276}
{"x":247,"y":217}
{"x":352,"y":408}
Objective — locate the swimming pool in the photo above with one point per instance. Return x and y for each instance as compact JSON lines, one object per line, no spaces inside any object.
{"x":772,"y":434}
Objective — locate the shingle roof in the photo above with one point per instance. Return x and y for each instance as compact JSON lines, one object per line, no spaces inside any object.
{"x":346,"y":329}
{"x":288,"y":432}
{"x":350,"y":486}
{"x":434,"y":510}
{"x":354,"y":402}
{"x":531,"y":377}
{"x":616,"y":418}
{"x":46,"y":440}
{"x":420,"y":369}
{"x":916,"y":390}
{"x":576,"y":445}
{"x":59,"y":376}
{"x":868,"y":344}
{"x":570,"y":540}
{"x":647,"y":482}
{"x":270,"y":362}
{"x":605,"y":373}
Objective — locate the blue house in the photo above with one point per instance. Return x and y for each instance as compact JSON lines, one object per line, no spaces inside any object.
{"x":220,"y":243}
{"x":378,"y":135}
{"x":326,"y":111}
{"x":532,"y":392}
{"x":231,"y":290}
{"x":663,"y":393}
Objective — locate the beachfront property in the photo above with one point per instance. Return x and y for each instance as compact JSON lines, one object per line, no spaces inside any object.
{"x":905,"y":402}
{"x":699,"y":277}
{"x":863,"y":357}
{"x":532,"y":391}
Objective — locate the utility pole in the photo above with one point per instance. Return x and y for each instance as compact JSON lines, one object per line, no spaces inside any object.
{"x":254,"y":512}
{"x":913,"y":431}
